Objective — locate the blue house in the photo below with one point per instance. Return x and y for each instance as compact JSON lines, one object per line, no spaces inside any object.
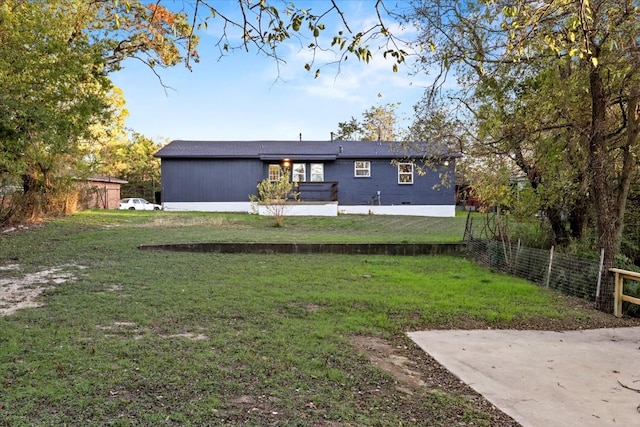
{"x":351,"y":177}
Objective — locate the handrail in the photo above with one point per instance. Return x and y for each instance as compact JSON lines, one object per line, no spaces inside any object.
{"x":318,"y":190}
{"x":314,"y":191}
{"x":619,"y":297}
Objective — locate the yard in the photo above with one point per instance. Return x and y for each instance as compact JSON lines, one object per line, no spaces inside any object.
{"x":112,"y":335}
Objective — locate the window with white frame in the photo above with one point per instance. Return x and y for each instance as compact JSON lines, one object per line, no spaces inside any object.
{"x":299,"y":172}
{"x":362,"y":168}
{"x":405,"y":173}
{"x":317,"y":172}
{"x":274,"y":173}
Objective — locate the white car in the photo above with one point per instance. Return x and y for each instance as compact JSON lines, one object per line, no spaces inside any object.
{"x":136,"y":204}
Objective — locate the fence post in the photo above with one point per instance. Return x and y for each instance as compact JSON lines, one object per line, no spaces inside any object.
{"x":617,"y":294}
{"x":468,"y":228}
{"x":550,"y":264}
{"x":600,"y":275}
{"x":515,"y":259}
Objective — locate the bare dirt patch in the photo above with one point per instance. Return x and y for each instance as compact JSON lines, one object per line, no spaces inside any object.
{"x":23,"y":292}
{"x":188,"y":335}
{"x":134,"y":331}
{"x":388,"y":358}
{"x":115,"y":288}
{"x":161,"y":222}
{"x":415,"y":372}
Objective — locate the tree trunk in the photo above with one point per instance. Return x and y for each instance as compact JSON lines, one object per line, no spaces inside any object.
{"x":601,"y":167}
{"x":629,"y":161}
{"x":558,"y":226}
{"x":28,"y":183}
{"x":578,"y":218}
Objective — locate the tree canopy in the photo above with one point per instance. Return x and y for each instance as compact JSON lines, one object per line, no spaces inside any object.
{"x":378,"y":123}
{"x":551,"y":86}
{"x":57,"y":103}
{"x":266,"y":24}
{"x":50,"y":88}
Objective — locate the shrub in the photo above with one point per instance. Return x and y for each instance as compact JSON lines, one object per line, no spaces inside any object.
{"x":275,"y":195}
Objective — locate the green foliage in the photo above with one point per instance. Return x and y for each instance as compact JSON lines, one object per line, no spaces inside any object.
{"x":435,"y":123}
{"x":531,"y":233}
{"x":138,"y":337}
{"x":117,"y":152}
{"x":106,"y":150}
{"x":379,"y":123}
{"x":276,"y":196}
{"x":265,"y":25}
{"x":630,"y":287}
{"x":51,"y":87}
{"x":631,"y":236}
{"x":60,"y":119}
{"x":349,"y":131}
{"x":133,"y":28}
{"x":494,"y":185}
{"x":142,"y":169}
{"x":537,"y":86}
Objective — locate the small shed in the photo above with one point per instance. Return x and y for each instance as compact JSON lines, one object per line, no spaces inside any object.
{"x":100,"y":192}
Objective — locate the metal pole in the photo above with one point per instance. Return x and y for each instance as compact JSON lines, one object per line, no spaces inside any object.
{"x":550,"y":264}
{"x":515,"y":261}
{"x":600,"y":274}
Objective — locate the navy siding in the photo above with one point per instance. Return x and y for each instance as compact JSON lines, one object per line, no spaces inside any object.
{"x":384,"y":178}
{"x":210,"y":180}
{"x":232,"y":180}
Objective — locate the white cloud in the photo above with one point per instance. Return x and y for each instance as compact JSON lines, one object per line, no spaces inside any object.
{"x":246,"y":95}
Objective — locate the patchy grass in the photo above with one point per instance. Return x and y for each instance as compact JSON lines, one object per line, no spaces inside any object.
{"x":242,"y":227}
{"x":159,"y":338}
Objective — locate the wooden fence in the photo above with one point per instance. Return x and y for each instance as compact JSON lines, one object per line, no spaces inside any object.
{"x":619,"y":295}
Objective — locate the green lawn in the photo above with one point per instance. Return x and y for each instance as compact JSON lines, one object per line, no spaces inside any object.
{"x":129,"y":337}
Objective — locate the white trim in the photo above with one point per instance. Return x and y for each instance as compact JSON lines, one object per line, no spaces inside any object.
{"x":304,"y":209}
{"x":312,"y":174}
{"x":404,"y":173}
{"x":273,"y":166}
{"x":413,"y":210}
{"x":208,"y":206}
{"x":316,"y":209}
{"x":366,"y":169}
{"x":297,"y":176}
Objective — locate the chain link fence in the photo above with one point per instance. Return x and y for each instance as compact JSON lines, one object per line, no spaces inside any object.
{"x":578,"y":277}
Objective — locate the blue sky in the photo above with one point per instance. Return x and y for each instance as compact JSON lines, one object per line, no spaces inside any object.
{"x":246,"y":96}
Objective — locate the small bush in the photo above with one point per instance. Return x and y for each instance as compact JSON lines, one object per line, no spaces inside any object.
{"x":274,"y":195}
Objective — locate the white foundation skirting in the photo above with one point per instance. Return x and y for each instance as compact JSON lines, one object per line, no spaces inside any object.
{"x":207,"y":206}
{"x":314,"y":209}
{"x":412,"y":210}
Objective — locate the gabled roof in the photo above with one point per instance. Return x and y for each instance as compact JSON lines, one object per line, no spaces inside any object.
{"x":301,"y":150}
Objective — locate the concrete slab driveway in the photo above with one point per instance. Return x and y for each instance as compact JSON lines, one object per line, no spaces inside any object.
{"x":539,"y":378}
